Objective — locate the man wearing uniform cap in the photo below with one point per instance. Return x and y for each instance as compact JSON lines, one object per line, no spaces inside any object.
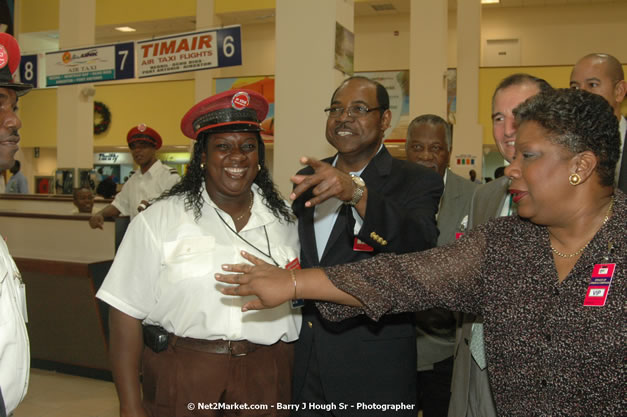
{"x":14,"y":349}
{"x":152,"y":179}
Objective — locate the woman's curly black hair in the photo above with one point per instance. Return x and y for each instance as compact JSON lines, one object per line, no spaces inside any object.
{"x":191,"y":184}
{"x":579,"y":121}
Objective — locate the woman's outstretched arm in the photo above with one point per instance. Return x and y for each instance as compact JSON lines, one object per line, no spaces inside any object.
{"x":448,"y":277}
{"x":274,"y":286}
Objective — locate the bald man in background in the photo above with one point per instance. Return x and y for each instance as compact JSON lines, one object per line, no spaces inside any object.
{"x":603,"y":74}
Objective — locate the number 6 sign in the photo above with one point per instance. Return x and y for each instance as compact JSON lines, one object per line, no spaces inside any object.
{"x":230,"y":47}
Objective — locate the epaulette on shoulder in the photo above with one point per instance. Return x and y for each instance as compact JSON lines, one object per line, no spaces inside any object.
{"x":173,"y":171}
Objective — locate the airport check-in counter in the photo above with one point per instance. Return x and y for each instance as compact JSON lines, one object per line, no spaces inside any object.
{"x":63,"y":263}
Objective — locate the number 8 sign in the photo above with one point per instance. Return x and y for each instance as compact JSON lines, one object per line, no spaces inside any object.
{"x":28,"y":69}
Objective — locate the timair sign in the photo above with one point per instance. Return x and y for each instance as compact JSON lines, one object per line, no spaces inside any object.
{"x":189,"y":52}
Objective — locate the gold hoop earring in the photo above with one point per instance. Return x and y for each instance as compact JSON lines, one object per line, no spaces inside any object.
{"x":574,"y":179}
{"x":258,"y":167}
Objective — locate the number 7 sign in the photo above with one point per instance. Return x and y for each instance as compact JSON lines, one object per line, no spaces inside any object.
{"x":125,"y":60}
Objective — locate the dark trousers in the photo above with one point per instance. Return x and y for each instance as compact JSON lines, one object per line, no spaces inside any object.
{"x":312,"y":391}
{"x":179,"y":382}
{"x":434,"y":389}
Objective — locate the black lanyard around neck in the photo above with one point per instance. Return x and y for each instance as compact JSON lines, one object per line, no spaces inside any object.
{"x":268,"y":255}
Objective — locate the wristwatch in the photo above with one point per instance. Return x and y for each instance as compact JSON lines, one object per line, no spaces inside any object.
{"x":358,"y":190}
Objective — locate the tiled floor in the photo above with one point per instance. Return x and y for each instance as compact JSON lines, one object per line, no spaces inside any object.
{"x":51,"y":394}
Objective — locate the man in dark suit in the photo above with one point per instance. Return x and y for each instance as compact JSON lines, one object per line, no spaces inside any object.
{"x":603,"y":74}
{"x":429,"y":144}
{"x":352,"y":206}
{"x":471,"y":395}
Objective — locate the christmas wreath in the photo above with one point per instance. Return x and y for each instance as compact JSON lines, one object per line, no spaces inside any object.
{"x":102,"y":118}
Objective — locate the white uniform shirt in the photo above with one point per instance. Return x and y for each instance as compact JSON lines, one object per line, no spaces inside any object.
{"x":164,"y":271}
{"x":14,"y":348}
{"x":152,"y":184}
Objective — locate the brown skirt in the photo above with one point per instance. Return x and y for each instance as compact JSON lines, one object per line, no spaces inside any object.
{"x":180,"y":382}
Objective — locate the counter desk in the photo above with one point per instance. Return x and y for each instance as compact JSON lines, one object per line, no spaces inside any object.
{"x":63,"y":263}
{"x":67,"y":325}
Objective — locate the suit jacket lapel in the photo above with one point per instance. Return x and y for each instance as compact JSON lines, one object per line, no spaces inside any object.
{"x":494,"y":205}
{"x":503,"y":194}
{"x":451,"y":193}
{"x":378,"y":169}
{"x":339,"y":228}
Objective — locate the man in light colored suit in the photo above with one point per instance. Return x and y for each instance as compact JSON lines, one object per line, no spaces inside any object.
{"x":470,"y":391}
{"x":429,"y":143}
{"x":603,"y":74}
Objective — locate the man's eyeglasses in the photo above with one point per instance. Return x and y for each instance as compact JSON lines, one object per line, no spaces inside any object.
{"x":357,"y":110}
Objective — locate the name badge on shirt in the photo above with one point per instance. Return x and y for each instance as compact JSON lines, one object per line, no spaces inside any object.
{"x":22,"y":291}
{"x":599,"y":286}
{"x":295,"y":264}
{"x":360,"y":246}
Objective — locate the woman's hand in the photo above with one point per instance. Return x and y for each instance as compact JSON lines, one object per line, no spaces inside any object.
{"x":272,"y":285}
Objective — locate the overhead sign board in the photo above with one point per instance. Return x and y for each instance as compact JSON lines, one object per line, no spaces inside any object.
{"x":88,"y":65}
{"x":108,"y":158}
{"x":189,"y":52}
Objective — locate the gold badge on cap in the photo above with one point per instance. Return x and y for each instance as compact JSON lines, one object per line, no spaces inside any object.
{"x":4,"y":57}
{"x":141,"y":127}
{"x":240,"y":100}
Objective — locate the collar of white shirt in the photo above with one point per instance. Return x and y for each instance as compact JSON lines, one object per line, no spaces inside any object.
{"x":260,"y":216}
{"x":152,"y":170}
